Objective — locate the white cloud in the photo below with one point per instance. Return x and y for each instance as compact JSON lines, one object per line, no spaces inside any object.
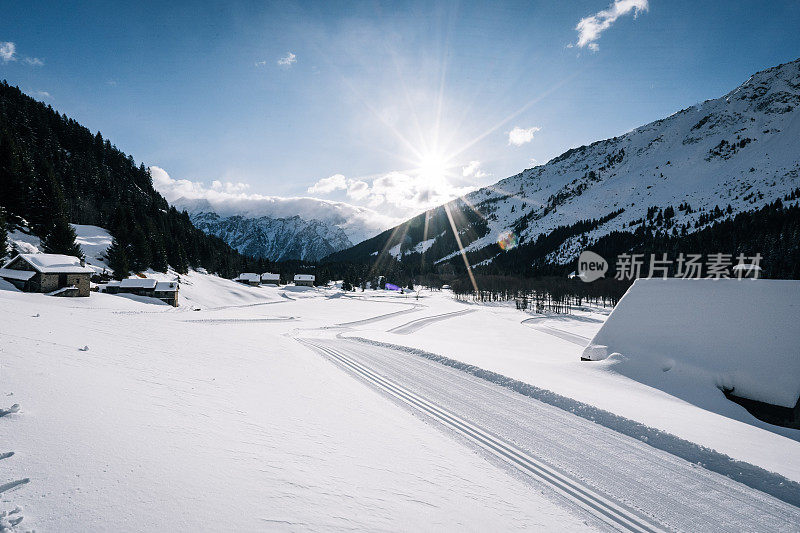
{"x":590,"y":28}
{"x":229,"y":198}
{"x":357,"y":190}
{"x":473,"y":169}
{"x":261,"y":63}
{"x":42,"y":95}
{"x":337,"y":182}
{"x":34,"y":61}
{"x":7,"y":51}
{"x":399,"y":194}
{"x":383,"y":201}
{"x":519,"y":136}
{"x":288,"y":60}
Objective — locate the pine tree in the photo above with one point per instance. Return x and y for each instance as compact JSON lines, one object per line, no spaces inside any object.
{"x":47,"y":202}
{"x":140,"y":251}
{"x":61,"y":239}
{"x":159,"y":262}
{"x":117,"y":258}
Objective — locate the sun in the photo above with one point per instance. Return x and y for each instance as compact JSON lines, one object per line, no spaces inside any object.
{"x":434,"y":166}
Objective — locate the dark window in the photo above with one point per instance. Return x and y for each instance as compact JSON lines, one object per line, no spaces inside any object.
{"x":62,"y":280}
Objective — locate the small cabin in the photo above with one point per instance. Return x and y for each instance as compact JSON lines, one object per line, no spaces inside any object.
{"x":268,"y":278}
{"x":166,"y":291}
{"x":304,"y":280}
{"x":249,"y":278}
{"x":138,"y":286}
{"x":52,"y":274}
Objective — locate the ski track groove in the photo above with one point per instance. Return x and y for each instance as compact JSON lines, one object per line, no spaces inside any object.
{"x":378,"y":318}
{"x":702,"y":500}
{"x":418,"y":324}
{"x":591,"y":501}
{"x":568,"y":336}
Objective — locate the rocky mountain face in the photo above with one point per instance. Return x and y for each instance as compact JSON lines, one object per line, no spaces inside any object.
{"x":677,"y":175}
{"x":276,"y":239}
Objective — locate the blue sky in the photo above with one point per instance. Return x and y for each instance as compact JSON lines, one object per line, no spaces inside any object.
{"x":393,"y":105}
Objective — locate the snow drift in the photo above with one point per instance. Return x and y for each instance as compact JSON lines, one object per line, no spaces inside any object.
{"x":688,"y":337}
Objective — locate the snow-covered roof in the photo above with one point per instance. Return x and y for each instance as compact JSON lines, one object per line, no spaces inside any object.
{"x":270,"y":276}
{"x":167,"y":286}
{"x":707,"y":335}
{"x":249,"y":276}
{"x":304,"y":277}
{"x":54,"y":263}
{"x":22,"y":275}
{"x":138,"y":283}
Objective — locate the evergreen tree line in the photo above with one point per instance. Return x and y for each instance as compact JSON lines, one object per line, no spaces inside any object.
{"x":525,"y":272}
{"x":547,"y":293}
{"x":54,"y":171}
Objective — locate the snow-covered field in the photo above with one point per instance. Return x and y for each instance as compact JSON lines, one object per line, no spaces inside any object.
{"x":135,"y":416}
{"x":545,"y":351}
{"x":211,"y":416}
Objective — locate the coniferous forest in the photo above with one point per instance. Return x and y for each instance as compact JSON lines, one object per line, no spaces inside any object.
{"x":54,"y":171}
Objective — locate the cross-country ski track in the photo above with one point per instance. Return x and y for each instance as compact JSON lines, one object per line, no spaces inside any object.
{"x":416,"y":325}
{"x":574,"y":338}
{"x":625,"y":483}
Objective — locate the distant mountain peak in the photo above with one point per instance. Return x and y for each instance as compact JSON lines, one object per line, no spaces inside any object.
{"x":276,"y":239}
{"x":739,"y":150}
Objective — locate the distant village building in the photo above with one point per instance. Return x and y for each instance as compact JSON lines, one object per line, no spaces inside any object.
{"x":53,"y":274}
{"x":249,"y":278}
{"x":304,"y":280}
{"x":138,"y":286}
{"x":268,"y":278}
{"x":166,"y":291}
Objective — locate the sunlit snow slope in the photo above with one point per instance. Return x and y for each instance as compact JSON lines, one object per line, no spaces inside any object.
{"x":738,"y":150}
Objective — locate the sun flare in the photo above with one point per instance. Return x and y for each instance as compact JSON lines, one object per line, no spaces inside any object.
{"x":434,"y":166}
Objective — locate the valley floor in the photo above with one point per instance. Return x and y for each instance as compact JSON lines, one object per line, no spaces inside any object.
{"x":138,"y":416}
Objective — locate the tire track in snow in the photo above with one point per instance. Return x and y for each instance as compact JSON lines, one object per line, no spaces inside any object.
{"x":416,"y":325}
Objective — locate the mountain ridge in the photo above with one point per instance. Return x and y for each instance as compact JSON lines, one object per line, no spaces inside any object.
{"x":738,"y":150}
{"x":275,"y":239}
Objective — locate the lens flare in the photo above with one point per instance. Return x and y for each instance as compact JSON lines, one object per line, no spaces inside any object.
{"x":507,"y":240}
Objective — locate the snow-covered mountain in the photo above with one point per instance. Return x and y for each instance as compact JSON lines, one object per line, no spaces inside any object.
{"x":741,"y":150}
{"x":284,"y":228}
{"x":276,"y":239}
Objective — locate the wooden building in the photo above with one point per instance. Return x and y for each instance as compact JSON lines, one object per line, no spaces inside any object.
{"x":268,"y":278}
{"x":249,"y":278}
{"x":304,"y":280}
{"x":166,"y":291}
{"x":53,"y":274}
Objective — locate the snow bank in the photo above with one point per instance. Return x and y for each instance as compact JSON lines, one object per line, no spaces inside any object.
{"x":690,"y":337}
